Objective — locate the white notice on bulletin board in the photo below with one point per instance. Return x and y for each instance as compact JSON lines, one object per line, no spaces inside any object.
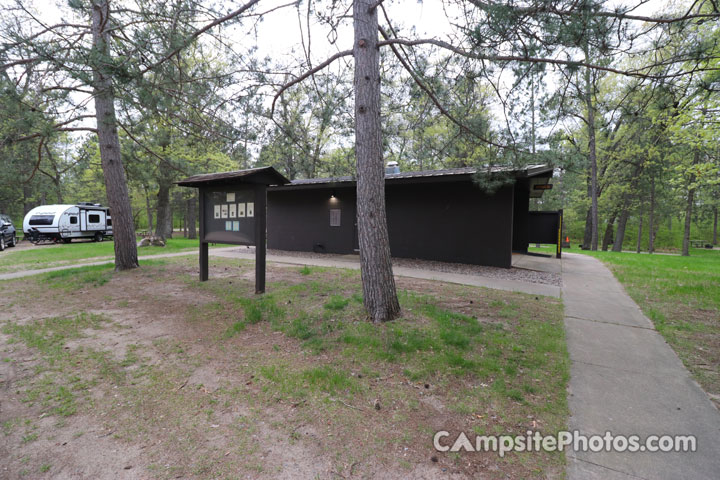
{"x":250,"y":211}
{"x":241,"y":210}
{"x":232,"y":212}
{"x":230,"y":197}
{"x":217,"y":211}
{"x":224,"y":210}
{"x":228,"y":226}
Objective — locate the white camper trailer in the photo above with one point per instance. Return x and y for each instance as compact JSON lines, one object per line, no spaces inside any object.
{"x":53,"y":223}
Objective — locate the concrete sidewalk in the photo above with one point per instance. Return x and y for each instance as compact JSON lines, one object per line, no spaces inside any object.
{"x":335,"y":261}
{"x":108,"y":260}
{"x":625,"y":379}
{"x":352,"y":261}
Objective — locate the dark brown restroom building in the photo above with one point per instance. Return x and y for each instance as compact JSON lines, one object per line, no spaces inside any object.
{"x":433,"y":215}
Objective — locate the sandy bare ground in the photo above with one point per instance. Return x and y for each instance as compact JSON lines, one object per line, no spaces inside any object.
{"x":133,"y":375}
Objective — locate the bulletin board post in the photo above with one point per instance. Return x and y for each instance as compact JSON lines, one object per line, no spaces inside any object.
{"x":233,"y":210}
{"x":260,"y":236}
{"x":203,"y":244}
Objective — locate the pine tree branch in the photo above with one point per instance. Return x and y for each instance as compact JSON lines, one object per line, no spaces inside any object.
{"x":434,"y":98}
{"x":199,"y":32}
{"x":307,"y":74}
{"x":527,"y":59}
{"x":375,"y":5}
{"x":151,"y":152}
{"x":547,"y":8}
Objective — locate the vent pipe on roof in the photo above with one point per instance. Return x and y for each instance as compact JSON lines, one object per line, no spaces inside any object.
{"x":392,"y":167}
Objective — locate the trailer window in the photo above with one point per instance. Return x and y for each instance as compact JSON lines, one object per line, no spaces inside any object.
{"x":42,"y":219}
{"x":94,"y":218}
{"x":73,"y":220}
{"x":109,"y":222}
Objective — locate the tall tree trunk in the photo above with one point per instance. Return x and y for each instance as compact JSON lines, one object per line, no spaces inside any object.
{"x":163,"y":227}
{"x":715,"y":224}
{"x":640,"y":230}
{"x":149,"y":209}
{"x":592,"y":154}
{"x":27,"y":202}
{"x":113,"y":171}
{"x":653,"y":234}
{"x":192,"y":217}
{"x":625,"y":211}
{"x":609,"y":230}
{"x":58,"y":190}
{"x":379,"y":292}
{"x":587,"y":234}
{"x":689,"y":207}
{"x":651,"y":218}
{"x":622,"y":226}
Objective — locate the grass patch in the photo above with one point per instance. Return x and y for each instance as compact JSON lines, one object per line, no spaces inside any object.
{"x":49,"y":335}
{"x":64,"y":375}
{"x":297,"y":384}
{"x":681,"y":295}
{"x":44,"y":256}
{"x":429,"y":342}
{"x":337,"y":302}
{"x":73,"y":278}
{"x":254,"y":310}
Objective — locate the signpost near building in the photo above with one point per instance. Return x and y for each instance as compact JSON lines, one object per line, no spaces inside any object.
{"x":233,"y":210}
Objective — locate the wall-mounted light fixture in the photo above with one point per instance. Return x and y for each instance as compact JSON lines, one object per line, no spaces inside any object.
{"x":332,"y":195}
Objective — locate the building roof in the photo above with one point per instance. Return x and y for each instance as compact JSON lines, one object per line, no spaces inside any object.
{"x":261,"y":175}
{"x":446,"y":174}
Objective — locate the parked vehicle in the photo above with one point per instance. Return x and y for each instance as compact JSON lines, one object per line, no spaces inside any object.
{"x":55,"y":223}
{"x":8,"y":235}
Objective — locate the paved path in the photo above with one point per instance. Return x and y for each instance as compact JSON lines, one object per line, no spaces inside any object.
{"x":108,"y":260}
{"x":335,"y":261}
{"x":625,"y":379}
{"x":352,"y":261}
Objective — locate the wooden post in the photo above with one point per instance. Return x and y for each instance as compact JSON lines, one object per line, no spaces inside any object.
{"x":203,"y":243}
{"x":558,"y":253}
{"x":260,"y":237}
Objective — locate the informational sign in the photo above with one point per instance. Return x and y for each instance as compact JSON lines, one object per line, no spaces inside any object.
{"x":228,"y":201}
{"x":335,"y":217}
{"x":229,"y":215}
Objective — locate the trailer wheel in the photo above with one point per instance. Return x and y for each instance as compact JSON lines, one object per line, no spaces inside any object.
{"x":98,"y":237}
{"x":67,"y":240}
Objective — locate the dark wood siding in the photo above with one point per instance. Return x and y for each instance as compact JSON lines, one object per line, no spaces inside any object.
{"x":450,"y":222}
{"x":443,"y":221}
{"x":299,"y":219}
{"x":543,"y":227}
